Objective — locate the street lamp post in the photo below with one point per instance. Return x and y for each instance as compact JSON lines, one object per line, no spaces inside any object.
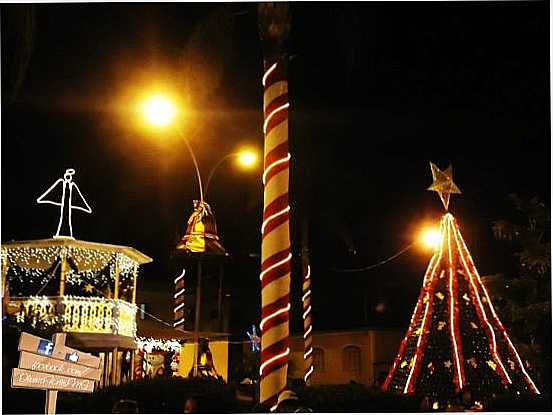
{"x":246,"y":158}
{"x":192,"y":155}
{"x":160,"y":111}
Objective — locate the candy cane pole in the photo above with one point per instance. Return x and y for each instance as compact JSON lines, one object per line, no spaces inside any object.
{"x":275,"y":245}
{"x":274,"y":27}
{"x":307,"y":327}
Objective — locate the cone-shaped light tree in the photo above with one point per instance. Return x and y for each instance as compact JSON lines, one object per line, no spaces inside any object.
{"x":455,"y":340}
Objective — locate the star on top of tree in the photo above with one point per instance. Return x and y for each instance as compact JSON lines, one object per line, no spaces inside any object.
{"x":443,"y":183}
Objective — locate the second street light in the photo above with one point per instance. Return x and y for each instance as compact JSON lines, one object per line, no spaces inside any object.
{"x":200,"y":241}
{"x":246,"y":158}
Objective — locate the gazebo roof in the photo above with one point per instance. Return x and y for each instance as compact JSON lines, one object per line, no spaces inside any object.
{"x":128,"y":251}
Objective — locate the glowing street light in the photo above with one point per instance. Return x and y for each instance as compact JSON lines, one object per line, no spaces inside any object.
{"x":247,"y":158}
{"x":431,"y":238}
{"x":159,"y":110}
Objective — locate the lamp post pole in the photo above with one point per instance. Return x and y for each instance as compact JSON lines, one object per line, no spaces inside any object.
{"x":193,"y":156}
{"x":196,"y":337}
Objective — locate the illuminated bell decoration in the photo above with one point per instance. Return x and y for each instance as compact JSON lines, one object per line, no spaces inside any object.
{"x":206,"y":366}
{"x":201,"y":232}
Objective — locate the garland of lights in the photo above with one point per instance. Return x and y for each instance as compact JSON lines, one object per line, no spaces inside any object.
{"x":40,"y":258}
{"x":275,"y":246}
{"x":149,"y":344}
{"x":454,"y":319}
{"x":28,"y":265}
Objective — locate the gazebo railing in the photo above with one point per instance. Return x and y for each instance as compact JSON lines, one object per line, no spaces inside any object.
{"x":78,"y":314}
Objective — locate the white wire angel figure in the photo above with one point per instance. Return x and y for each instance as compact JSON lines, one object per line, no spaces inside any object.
{"x":67,"y":181}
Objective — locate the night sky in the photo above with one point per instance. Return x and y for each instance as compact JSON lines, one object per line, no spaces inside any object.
{"x":377,"y":91}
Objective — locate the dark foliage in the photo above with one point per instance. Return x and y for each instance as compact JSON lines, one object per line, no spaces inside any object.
{"x":523,"y":298}
{"x":520,"y":403}
{"x":158,"y":395}
{"x":354,"y":398}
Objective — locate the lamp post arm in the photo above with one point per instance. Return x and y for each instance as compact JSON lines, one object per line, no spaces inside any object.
{"x":214,"y":168}
{"x":182,"y":136}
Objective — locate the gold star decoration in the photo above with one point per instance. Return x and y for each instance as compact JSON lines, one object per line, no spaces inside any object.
{"x":441,"y":325}
{"x":447,"y":363}
{"x":88,"y":288}
{"x":440,"y":295}
{"x":403,"y":364}
{"x":443,"y":183}
{"x":491,"y":364}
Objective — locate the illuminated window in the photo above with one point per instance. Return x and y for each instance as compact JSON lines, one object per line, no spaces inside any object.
{"x":318,"y":359}
{"x":351,"y":359}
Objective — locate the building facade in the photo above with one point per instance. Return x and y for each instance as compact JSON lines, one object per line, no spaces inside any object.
{"x":361,"y":356}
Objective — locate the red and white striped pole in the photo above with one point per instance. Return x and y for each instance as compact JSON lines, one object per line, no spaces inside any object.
{"x":275,"y":245}
{"x":307,"y":327}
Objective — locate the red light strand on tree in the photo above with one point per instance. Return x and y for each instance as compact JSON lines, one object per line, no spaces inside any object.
{"x":421,"y":342}
{"x":464,"y":251}
{"x":414,"y":318}
{"x":483,"y":317}
{"x":454,"y":313}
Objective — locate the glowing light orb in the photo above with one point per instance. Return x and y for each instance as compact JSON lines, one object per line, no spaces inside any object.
{"x":247,"y":158}
{"x":159,"y":110}
{"x":431,"y":238}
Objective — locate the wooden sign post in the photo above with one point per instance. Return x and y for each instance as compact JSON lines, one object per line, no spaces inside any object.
{"x":51,"y":365}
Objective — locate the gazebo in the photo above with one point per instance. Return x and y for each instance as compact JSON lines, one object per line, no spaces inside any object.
{"x":85,"y":289}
